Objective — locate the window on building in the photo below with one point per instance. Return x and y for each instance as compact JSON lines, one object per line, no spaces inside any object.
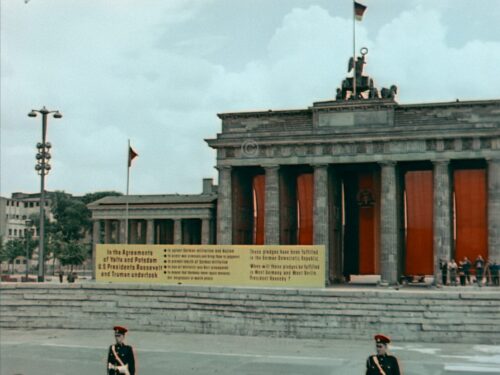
{"x":15,"y":232}
{"x":17,"y":204}
{"x":31,"y":204}
{"x":10,"y":232}
{"x":24,"y":217}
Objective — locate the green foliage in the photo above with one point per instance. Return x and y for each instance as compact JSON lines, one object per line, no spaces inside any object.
{"x":11,"y":250}
{"x":72,"y":217}
{"x":73,"y":253}
{"x":72,"y":220}
{"x":31,"y":244}
{"x":92,"y":197}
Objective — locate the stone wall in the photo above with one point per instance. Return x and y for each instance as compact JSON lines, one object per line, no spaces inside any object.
{"x":471,"y":316}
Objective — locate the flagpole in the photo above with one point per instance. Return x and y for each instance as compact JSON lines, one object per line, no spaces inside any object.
{"x":354,"y":48}
{"x":126,"y":196}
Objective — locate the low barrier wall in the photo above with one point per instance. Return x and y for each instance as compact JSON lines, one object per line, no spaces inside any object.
{"x":466,"y":316}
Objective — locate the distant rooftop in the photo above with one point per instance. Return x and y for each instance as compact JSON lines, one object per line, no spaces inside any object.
{"x":156,"y":199}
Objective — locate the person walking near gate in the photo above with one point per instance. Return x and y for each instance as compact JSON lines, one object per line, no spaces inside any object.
{"x":479,"y":265}
{"x":452,"y":266}
{"x":443,"y":266}
{"x":494,"y":269}
{"x":466,"y":265}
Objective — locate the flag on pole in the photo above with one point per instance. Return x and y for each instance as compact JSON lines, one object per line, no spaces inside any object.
{"x":131,"y":155}
{"x":359,"y":10}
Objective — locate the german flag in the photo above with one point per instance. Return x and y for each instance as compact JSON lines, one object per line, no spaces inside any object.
{"x":359,"y":10}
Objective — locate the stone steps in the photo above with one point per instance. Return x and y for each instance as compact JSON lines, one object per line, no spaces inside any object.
{"x":424,"y":315}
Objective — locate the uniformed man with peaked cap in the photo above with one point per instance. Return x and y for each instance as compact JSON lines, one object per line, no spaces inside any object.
{"x":382,"y":363}
{"x":121,"y":357}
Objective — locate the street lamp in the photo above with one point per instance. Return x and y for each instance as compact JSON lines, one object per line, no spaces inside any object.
{"x":27,"y":237}
{"x":43,"y":168}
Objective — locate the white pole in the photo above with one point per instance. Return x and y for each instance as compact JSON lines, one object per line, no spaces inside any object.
{"x":126,"y":196}
{"x":354,"y":48}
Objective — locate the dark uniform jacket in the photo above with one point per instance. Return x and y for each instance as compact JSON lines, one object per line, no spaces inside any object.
{"x":388,"y":363}
{"x":126,"y":354}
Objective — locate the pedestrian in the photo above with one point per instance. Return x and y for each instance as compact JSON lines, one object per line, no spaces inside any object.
{"x":479,"y":265}
{"x":443,"y":265}
{"x":487,"y":272}
{"x":466,"y":265}
{"x":382,"y":363}
{"x":452,"y":266}
{"x":461,"y":273}
{"x":121,"y":357}
{"x":61,"y":276}
{"x":495,"y":268}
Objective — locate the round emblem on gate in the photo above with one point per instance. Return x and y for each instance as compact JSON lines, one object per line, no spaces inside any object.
{"x":365,"y":198}
{"x":249,"y":148}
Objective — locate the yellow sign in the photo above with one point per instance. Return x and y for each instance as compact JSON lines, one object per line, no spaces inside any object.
{"x":238,"y":265}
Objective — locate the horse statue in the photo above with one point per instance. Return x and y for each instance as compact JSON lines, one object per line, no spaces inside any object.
{"x":389,"y":93}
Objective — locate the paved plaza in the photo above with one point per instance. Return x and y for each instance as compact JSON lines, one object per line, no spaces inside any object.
{"x":62,"y":352}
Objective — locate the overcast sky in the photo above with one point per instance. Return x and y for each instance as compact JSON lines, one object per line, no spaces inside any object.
{"x":158,"y":72}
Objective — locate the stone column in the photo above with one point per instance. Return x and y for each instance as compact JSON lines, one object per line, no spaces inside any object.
{"x":224,"y":207}
{"x":150,"y":232}
{"x":336,"y":246}
{"x":320,"y":213}
{"x":107,"y":231}
{"x":442,"y":216}
{"x":122,"y":225}
{"x":494,"y":209}
{"x":272,"y":206}
{"x":178,"y":231}
{"x":388,"y":224}
{"x":205,"y":231}
{"x":132,"y":234}
{"x":96,"y":239}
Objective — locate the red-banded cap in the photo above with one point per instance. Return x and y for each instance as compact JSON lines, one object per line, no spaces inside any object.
{"x":121,"y":330}
{"x":382,"y":339}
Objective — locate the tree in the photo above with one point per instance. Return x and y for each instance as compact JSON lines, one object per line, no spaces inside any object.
{"x":92,"y":197}
{"x":72,"y":217}
{"x":35,"y":219}
{"x":72,"y":221}
{"x":73,"y":254}
{"x":11,"y":250}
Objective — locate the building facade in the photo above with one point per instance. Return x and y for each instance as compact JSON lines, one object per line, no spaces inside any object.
{"x":389,"y":189}
{"x":16,"y":210}
{"x":156,"y":219}
{"x":15,"y":214}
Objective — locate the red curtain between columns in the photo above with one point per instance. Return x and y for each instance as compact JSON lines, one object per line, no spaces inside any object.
{"x":471,"y":216}
{"x":419,"y":217}
{"x":259,"y":193}
{"x":305,"y":191}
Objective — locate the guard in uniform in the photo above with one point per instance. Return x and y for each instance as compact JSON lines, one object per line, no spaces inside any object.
{"x":382,"y":363}
{"x":121,"y":357}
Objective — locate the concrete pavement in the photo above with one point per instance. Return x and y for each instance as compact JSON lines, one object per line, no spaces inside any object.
{"x":62,"y":352}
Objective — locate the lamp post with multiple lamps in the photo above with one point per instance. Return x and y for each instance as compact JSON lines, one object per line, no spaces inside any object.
{"x":43,"y":168}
